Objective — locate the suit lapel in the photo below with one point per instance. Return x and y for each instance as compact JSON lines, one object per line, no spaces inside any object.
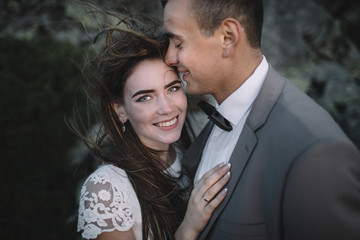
{"x":266,"y":100}
{"x":238,"y":160}
{"x":262,"y":107}
{"x":193,"y":155}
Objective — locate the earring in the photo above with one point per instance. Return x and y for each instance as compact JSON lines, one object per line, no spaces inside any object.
{"x":123,"y":128}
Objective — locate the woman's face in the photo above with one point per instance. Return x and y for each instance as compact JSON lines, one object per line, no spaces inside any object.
{"x":154,"y":103}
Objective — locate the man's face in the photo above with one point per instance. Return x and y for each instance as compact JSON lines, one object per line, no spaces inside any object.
{"x":195,"y":55}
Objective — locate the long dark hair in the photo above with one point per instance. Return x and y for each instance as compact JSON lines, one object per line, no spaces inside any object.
{"x":160,"y":196}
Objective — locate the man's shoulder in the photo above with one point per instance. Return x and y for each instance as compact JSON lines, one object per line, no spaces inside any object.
{"x":293,"y":112}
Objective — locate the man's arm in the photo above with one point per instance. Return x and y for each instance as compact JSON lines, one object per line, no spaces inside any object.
{"x":322,"y":194}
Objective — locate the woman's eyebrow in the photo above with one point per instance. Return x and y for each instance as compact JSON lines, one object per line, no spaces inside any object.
{"x":172,"y":83}
{"x":143,"y":92}
{"x":152,"y":90}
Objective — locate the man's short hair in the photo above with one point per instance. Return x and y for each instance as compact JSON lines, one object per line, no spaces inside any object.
{"x":209,"y":14}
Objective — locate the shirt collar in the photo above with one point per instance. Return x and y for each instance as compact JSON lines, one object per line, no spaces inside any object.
{"x":235,"y":106}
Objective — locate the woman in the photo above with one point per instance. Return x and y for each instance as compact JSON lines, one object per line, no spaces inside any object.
{"x":140,"y":192}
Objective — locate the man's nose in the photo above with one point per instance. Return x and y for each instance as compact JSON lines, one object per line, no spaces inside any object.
{"x":171,"y":58}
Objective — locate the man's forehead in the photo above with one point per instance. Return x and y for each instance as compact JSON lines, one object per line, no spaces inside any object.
{"x":174,"y":27}
{"x":171,"y":16}
{"x":175,"y":6}
{"x":170,"y":9}
{"x":175,"y":11}
{"x":177,"y":20}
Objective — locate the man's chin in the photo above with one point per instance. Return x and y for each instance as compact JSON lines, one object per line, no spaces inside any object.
{"x":190,"y":89}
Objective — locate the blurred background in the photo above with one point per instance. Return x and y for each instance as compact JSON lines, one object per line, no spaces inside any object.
{"x":314,"y":43}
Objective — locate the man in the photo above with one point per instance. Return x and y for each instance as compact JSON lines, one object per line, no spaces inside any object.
{"x":295,"y":174}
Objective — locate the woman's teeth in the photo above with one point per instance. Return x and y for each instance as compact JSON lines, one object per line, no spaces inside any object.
{"x":167,"y":124}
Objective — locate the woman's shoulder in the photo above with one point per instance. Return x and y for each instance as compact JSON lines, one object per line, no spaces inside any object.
{"x":106,"y":202}
{"x":107,"y":173}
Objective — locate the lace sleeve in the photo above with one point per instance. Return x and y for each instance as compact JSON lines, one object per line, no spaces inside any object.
{"x":104,"y":206}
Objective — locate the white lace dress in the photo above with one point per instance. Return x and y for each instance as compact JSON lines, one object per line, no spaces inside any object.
{"x":108,"y":202}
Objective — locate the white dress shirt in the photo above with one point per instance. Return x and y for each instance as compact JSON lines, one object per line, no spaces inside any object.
{"x":236,"y":109}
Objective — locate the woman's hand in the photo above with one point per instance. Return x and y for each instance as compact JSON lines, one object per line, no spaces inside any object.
{"x":205,"y":198}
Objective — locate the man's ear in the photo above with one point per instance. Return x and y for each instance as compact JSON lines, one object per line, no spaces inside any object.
{"x":120,"y":111}
{"x":231,"y":34}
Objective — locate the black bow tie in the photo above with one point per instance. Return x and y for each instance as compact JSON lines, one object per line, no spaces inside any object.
{"x":215,"y":116}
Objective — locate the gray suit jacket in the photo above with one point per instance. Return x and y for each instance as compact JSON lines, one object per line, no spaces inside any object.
{"x":295,"y":174}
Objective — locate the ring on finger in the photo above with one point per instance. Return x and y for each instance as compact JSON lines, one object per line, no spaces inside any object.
{"x":206,"y":200}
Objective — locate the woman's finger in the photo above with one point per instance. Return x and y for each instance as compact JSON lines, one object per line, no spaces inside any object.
{"x":216,"y":188}
{"x":215,"y":202}
{"x":211,"y":178}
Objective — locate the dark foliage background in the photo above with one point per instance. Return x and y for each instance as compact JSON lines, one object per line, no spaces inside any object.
{"x":315,"y":43}
{"x":38,"y":82}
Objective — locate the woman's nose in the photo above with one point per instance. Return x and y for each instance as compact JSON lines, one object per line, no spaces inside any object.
{"x":165,"y":105}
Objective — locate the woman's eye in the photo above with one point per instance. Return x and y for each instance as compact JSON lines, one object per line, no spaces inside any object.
{"x":144,"y":98}
{"x":174,"y":89}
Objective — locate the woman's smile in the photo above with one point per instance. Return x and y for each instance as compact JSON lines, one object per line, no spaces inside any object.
{"x":168,"y":124}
